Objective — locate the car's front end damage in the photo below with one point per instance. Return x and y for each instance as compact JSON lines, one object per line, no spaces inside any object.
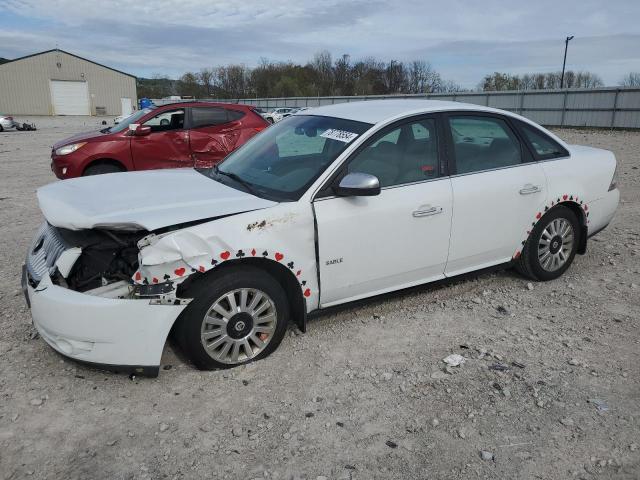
{"x":85,"y":305}
{"x":107,"y":275}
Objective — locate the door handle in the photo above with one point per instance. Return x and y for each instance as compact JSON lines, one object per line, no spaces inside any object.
{"x":427,"y":212}
{"x":529,"y":188}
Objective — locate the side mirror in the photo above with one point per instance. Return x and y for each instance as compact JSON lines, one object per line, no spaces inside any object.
{"x":358,"y":185}
{"x":141,"y":130}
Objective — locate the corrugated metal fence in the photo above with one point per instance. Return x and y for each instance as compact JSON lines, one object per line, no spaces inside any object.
{"x":598,"y":107}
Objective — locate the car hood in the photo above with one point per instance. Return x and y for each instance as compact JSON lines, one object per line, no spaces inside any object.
{"x":79,"y":137}
{"x":141,"y":200}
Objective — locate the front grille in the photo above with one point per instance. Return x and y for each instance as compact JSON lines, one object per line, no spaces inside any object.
{"x":46,"y":248}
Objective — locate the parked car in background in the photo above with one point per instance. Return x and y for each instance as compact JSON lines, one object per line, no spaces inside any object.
{"x":278,"y":114}
{"x":120,"y":118}
{"x":355,"y":200}
{"x":7,"y":122}
{"x":176,"y":135}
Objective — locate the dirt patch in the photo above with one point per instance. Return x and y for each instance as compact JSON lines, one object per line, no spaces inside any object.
{"x":549,"y":386}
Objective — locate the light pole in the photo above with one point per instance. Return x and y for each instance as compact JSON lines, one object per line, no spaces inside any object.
{"x":564,"y":62}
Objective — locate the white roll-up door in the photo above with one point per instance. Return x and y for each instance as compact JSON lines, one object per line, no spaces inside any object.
{"x":70,"y":98}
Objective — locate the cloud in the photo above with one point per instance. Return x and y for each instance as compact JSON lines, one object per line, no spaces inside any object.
{"x":464,"y":40}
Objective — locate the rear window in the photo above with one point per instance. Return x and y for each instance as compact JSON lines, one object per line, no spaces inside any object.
{"x":544,"y":146}
{"x":234,"y":115}
{"x":208,"y":116}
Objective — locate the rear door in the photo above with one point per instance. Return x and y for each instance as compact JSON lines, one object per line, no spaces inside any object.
{"x":167,"y":146}
{"x":498,"y":189}
{"x":214,"y":133}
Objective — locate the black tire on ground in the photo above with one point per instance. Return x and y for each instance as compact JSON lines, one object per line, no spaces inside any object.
{"x":207,"y":291}
{"x":1,"y":129}
{"x":270,"y":120}
{"x":102,"y":168}
{"x":529,"y":263}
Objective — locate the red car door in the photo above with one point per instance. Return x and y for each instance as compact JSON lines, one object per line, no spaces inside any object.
{"x":167,"y":146}
{"x":215,"y":132}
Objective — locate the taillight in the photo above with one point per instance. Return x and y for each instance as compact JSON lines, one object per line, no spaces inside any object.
{"x":614,"y":180}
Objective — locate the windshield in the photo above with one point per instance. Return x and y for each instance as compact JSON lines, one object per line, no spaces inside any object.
{"x":284,"y":160}
{"x":133,"y":118}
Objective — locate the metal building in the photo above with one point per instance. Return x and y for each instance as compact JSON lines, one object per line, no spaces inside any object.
{"x":56,"y":82}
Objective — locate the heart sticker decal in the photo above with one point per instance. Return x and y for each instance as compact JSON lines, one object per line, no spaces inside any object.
{"x":179,"y":271}
{"x":564,"y":197}
{"x":201,"y":269}
{"x":154,"y":280}
{"x":307,"y":292}
{"x":225,"y":255}
{"x":138,"y":276}
{"x":279,"y":256}
{"x":538,"y":215}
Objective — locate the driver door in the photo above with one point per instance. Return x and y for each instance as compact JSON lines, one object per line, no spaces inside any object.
{"x":397,"y":239}
{"x":167,"y":146}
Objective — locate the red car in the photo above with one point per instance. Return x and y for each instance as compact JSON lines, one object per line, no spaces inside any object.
{"x":193,"y":134}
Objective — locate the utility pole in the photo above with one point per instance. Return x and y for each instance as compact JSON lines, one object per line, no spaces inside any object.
{"x":564,"y":62}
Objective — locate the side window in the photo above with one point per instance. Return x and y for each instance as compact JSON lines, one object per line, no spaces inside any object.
{"x":544,"y":146}
{"x":167,"y":120}
{"x":483,"y":143}
{"x":406,"y":154}
{"x":208,"y":116}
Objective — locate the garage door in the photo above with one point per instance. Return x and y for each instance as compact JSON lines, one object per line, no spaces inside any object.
{"x":70,"y":98}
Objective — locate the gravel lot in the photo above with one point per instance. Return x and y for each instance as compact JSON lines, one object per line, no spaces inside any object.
{"x":364,"y":394}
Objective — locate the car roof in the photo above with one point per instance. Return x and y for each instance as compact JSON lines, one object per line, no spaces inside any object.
{"x":204,"y":104}
{"x":377,"y":111}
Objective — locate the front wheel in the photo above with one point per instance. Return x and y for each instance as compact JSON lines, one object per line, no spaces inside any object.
{"x":236,"y":316}
{"x":551,"y":246}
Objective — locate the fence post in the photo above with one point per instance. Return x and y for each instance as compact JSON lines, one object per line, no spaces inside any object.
{"x":487,"y":100}
{"x":615,"y":106}
{"x":521,"y":109}
{"x":564,"y":107}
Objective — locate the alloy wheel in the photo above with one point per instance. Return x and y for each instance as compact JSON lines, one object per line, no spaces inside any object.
{"x":238,"y":325}
{"x":556,"y":244}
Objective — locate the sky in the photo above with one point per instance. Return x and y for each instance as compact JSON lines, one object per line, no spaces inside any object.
{"x":463,"y":40}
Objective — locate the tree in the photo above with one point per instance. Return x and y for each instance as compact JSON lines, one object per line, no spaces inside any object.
{"x":206,"y":79}
{"x":189,"y":86}
{"x":631,"y":79}
{"x":422,"y":78}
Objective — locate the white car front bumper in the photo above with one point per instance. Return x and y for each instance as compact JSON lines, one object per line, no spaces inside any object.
{"x":121,"y":334}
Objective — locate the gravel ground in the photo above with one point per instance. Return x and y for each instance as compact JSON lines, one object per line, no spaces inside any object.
{"x":365,"y":393}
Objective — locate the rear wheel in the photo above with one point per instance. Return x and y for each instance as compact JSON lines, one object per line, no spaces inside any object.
{"x":236,"y":316}
{"x":552,"y":245}
{"x":102,"y":168}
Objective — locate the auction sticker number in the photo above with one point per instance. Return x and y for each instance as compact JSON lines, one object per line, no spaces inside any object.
{"x":340,"y":135}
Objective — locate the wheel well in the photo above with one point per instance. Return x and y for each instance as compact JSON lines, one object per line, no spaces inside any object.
{"x":105,"y":161}
{"x":582,"y":220}
{"x":282,"y":274}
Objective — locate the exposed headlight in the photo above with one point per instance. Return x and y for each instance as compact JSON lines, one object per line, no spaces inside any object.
{"x":67,"y":149}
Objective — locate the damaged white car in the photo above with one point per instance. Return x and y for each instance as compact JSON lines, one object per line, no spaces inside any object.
{"x":328,"y":206}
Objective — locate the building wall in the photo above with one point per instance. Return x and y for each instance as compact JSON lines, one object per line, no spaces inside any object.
{"x":25,"y":89}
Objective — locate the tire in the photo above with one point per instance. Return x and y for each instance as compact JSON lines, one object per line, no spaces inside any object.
{"x":194,"y":330}
{"x":543,"y":265}
{"x":102,"y":168}
{"x":1,"y":129}
{"x":270,"y":120}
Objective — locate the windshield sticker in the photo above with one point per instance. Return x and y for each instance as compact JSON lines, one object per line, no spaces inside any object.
{"x":340,"y":135}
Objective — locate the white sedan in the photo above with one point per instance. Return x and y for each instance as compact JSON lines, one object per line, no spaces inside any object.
{"x":278,"y":114}
{"x":331,"y":205}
